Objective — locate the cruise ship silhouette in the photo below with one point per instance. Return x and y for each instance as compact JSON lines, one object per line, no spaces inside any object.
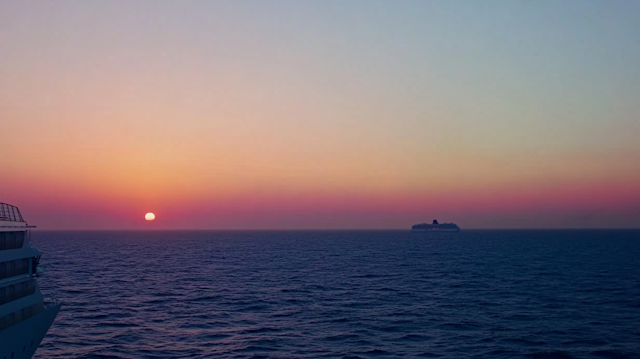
{"x":25,"y":316}
{"x":435,"y":227}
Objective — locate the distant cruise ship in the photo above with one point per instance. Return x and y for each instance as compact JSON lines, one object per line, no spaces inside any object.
{"x":25,"y":317}
{"x":435,"y":227}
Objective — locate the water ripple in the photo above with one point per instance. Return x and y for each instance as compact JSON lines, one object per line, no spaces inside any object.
{"x":475,"y":294}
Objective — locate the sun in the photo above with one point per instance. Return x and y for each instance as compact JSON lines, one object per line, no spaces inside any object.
{"x":149,"y":216}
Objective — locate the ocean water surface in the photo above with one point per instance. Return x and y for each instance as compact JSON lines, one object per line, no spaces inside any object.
{"x":342,"y":294}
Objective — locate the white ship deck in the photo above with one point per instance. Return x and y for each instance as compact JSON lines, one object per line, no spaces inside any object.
{"x":25,"y":317}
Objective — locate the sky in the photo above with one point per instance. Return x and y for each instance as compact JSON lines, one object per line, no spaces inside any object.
{"x":320,"y":114}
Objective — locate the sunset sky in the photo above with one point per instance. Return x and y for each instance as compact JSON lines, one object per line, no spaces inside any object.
{"x":320,"y":114}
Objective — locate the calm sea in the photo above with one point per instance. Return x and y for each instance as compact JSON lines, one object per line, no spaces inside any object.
{"x":343,"y":294}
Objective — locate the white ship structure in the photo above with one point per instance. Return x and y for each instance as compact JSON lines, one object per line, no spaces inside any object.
{"x":25,"y":316}
{"x":435,"y":227}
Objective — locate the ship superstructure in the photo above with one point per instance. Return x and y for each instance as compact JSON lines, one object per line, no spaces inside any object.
{"x":25,"y":316}
{"x":435,"y":227}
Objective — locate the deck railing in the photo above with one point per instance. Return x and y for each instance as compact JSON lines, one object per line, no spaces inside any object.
{"x":10,"y":213}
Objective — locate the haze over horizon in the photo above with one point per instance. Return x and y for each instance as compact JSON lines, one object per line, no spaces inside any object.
{"x":321,"y":115}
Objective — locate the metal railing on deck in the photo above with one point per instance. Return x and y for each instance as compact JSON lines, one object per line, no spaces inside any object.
{"x":10,"y":213}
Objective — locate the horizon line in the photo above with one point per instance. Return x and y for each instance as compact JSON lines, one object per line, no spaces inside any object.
{"x":338,"y":229}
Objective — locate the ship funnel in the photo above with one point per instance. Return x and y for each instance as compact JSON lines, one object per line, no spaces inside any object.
{"x":435,"y":221}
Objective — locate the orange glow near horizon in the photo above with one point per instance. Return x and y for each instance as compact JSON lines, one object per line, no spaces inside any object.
{"x":507,"y":206}
{"x":474,"y":190}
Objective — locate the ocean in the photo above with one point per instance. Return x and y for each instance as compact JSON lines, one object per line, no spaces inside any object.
{"x":342,"y":294}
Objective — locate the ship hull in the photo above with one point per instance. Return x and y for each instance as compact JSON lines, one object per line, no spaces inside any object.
{"x":435,"y":230}
{"x":21,"y":340}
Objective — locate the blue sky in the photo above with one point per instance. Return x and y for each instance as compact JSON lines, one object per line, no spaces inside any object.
{"x":324,"y":98}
